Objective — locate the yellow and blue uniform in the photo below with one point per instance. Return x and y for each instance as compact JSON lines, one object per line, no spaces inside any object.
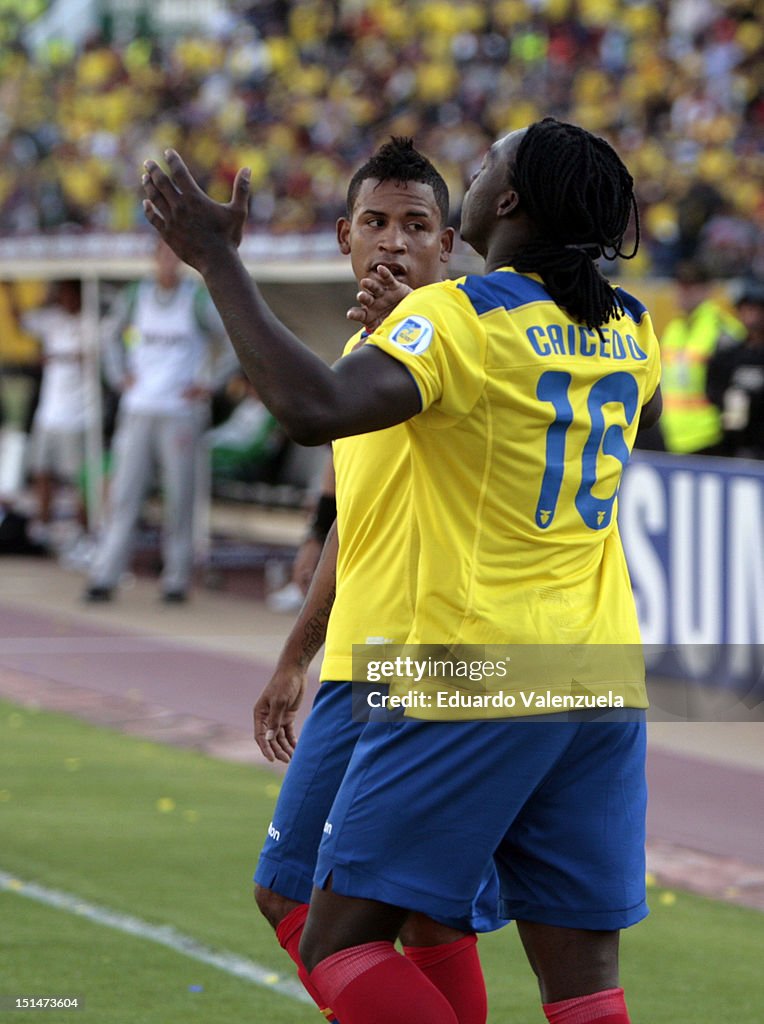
{"x":530,"y":419}
{"x":373,"y":523}
{"x":378,"y":549}
{"x":374,"y":604}
{"x":527,"y":421}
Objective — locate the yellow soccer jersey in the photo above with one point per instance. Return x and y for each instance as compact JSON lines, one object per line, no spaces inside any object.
{"x":377,"y":555}
{"x":527,"y":421}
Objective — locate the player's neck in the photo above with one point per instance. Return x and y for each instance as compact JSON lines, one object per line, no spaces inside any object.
{"x":503,"y":257}
{"x":512,"y":236}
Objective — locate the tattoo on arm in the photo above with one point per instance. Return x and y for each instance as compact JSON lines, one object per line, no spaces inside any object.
{"x":314,"y":632}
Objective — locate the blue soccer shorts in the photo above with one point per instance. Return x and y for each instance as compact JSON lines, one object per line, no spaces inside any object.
{"x":288,"y":859}
{"x":324,"y":748}
{"x":558,"y":801}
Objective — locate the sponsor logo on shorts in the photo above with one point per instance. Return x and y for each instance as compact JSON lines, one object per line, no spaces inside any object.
{"x":327,"y":828}
{"x":413,"y":335}
{"x":273,"y":832}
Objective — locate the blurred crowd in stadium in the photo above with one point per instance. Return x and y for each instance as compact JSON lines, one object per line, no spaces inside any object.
{"x":301,"y":91}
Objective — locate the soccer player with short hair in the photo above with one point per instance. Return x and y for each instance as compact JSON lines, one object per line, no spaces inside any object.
{"x":396,"y":235}
{"x":523,"y":392}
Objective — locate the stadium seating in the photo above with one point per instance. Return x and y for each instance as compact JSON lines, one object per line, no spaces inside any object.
{"x":302,"y":91}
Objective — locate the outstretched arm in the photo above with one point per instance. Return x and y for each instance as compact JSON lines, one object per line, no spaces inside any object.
{"x":315,"y":403}
{"x":275,"y":710}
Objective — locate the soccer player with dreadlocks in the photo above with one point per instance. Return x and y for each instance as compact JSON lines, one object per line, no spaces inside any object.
{"x":522,"y":392}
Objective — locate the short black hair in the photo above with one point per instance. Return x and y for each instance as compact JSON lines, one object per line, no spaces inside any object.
{"x":580,"y":195}
{"x":398,"y":161}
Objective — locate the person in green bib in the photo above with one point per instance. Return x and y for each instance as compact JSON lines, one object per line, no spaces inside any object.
{"x":691,"y":423}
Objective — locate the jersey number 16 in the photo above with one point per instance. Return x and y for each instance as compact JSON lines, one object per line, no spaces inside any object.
{"x":553,"y":386}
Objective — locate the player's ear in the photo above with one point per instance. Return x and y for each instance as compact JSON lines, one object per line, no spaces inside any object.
{"x":343,"y":235}
{"x":446,"y":244}
{"x":508,"y":203}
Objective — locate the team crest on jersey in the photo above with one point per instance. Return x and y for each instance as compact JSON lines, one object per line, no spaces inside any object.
{"x":413,"y":335}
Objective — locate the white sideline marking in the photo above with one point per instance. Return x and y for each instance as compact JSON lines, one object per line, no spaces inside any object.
{"x":165,"y":935}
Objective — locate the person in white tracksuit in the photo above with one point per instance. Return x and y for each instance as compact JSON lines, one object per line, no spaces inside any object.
{"x":168,"y":327}
{"x":64,"y":411}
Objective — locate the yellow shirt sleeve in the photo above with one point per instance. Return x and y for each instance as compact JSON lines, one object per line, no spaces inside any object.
{"x":435,"y":333}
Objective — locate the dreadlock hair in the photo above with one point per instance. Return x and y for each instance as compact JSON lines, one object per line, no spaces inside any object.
{"x":398,"y":161}
{"x":580,"y":196}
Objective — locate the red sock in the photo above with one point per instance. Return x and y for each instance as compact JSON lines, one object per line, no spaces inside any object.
{"x":289,"y":933}
{"x":454,"y":969}
{"x":373,"y":984}
{"x":606,"y":1007}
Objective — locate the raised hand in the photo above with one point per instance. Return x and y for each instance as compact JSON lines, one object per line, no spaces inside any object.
{"x":377,"y":296}
{"x":194,"y":226}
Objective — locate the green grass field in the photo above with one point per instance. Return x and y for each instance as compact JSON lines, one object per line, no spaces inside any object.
{"x":171,"y":837}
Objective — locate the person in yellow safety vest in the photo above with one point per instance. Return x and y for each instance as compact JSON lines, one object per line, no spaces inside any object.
{"x":690,"y":422}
